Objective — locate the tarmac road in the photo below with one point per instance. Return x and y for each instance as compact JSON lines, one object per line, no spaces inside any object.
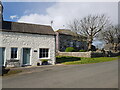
{"x":100,"y":75}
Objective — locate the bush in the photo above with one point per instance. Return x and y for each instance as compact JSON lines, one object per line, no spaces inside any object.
{"x":44,"y":62}
{"x":62,"y":59}
{"x":82,"y":50}
{"x":70,"y":49}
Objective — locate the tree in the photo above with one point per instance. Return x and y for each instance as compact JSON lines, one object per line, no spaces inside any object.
{"x":111,"y":36}
{"x":90,"y":26}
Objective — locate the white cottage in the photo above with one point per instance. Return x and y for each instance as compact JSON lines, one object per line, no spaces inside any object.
{"x":26,"y":43}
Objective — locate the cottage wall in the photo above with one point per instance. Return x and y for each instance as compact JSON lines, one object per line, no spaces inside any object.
{"x":24,"y":40}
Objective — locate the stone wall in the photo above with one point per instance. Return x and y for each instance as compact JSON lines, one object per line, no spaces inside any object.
{"x":63,"y":41}
{"x":24,"y":40}
{"x":88,"y":54}
{"x":75,"y":54}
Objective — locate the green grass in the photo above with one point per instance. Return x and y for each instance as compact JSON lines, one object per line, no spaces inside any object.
{"x":118,"y":56}
{"x":77,"y":60}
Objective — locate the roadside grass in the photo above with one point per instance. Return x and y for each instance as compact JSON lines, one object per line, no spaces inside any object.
{"x":118,"y":56}
{"x":12,"y":72}
{"x":83,"y":60}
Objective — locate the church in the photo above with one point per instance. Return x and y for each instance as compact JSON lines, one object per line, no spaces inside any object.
{"x":24,"y":44}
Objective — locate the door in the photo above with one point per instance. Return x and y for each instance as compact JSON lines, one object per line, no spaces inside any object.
{"x":2,"y":56}
{"x":26,"y":56}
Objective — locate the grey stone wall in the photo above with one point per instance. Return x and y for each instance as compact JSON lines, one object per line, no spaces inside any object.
{"x":88,"y":54}
{"x":71,"y":41}
{"x":75,"y":54}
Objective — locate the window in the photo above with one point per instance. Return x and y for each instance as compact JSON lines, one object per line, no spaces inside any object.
{"x":71,"y":44}
{"x":77,"y":44}
{"x":43,"y":53}
{"x":13,"y":52}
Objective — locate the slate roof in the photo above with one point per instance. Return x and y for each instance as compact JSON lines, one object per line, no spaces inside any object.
{"x":27,"y":28}
{"x":69,"y":32}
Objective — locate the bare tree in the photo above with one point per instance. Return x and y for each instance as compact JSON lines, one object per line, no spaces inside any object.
{"x":90,"y":26}
{"x":111,"y":36}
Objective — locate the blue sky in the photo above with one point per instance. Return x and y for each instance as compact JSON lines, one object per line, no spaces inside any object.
{"x":23,"y":8}
{"x":59,"y":12}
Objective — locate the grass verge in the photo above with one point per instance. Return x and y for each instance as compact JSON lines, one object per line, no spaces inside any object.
{"x":82,"y":60}
{"x":12,"y":72}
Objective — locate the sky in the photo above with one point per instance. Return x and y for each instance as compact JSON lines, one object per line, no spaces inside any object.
{"x":61,"y":13}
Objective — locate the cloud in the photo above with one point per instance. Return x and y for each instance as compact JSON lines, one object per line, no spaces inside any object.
{"x":36,"y":19}
{"x":62,"y":13}
{"x":14,"y":17}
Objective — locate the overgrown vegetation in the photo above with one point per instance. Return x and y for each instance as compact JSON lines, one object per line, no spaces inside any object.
{"x":82,"y":50}
{"x":67,"y":60}
{"x":62,"y":59}
{"x":73,"y":49}
{"x":70,"y":49}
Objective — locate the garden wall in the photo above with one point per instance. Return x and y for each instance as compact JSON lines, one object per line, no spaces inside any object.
{"x":75,"y":54}
{"x":88,"y":54}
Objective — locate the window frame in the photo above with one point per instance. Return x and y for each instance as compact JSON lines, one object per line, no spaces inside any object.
{"x":16,"y":53}
{"x":44,"y":57}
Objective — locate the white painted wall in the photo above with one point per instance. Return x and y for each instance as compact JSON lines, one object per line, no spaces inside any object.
{"x":24,"y":40}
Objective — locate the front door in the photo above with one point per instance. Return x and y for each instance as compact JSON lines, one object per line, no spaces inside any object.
{"x":26,"y":56}
{"x":2,"y":56}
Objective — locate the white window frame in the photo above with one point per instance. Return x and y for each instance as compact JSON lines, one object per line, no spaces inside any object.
{"x":11,"y":53}
{"x":44,"y":57}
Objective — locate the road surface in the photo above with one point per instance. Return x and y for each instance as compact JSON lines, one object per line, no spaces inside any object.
{"x":100,"y":75}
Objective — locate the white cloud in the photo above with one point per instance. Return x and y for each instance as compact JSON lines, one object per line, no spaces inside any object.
{"x":61,"y":13}
{"x":36,"y":19}
{"x":14,"y":17}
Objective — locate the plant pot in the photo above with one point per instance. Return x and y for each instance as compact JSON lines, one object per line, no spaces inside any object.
{"x":44,"y":63}
{"x":38,"y":64}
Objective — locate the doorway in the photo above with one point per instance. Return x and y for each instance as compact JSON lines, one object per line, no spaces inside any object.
{"x":26,"y":56}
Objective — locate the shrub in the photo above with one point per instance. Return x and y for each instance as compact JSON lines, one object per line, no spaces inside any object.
{"x":69,"y":49}
{"x":62,"y":59}
{"x":82,"y":50}
{"x":44,"y":62}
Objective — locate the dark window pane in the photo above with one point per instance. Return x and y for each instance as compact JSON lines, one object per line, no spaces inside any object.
{"x":47,"y":54}
{"x":40,"y":53}
{"x":13,"y":52}
{"x":44,"y":50}
{"x":43,"y":53}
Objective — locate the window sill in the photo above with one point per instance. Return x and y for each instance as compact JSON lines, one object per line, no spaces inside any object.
{"x":45,"y":58}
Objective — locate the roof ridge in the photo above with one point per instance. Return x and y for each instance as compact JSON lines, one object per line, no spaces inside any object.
{"x":27,"y":23}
